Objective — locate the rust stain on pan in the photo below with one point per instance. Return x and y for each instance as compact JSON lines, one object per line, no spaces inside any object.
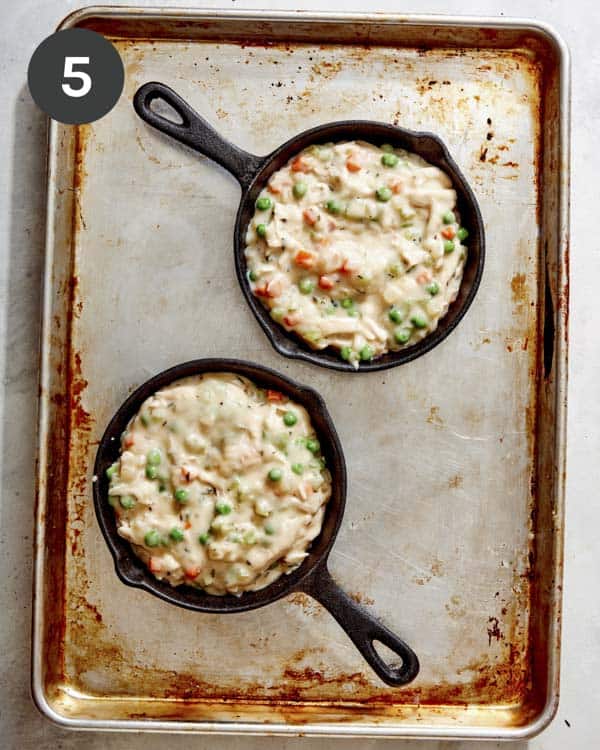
{"x":492,"y":680}
{"x":69,"y":429}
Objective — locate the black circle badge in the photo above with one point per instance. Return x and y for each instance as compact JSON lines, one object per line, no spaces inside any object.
{"x":76,"y":76}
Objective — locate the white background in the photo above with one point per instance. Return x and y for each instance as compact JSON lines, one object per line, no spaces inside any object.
{"x":22,"y":141}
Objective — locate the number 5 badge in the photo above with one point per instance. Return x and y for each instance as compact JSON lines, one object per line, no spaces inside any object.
{"x":76,"y":76}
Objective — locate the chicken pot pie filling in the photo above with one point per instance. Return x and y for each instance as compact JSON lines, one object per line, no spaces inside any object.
{"x":220,"y":484}
{"x":357,"y":247}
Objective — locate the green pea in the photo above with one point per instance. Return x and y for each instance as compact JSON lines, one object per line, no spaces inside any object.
{"x":298,"y":468}
{"x":387,"y":148}
{"x":389,"y":160}
{"x":289,"y":419}
{"x":402,"y":335}
{"x":313,"y":445}
{"x":346,"y":352}
{"x":223,"y":508}
{"x":347,"y":303}
{"x":249,"y":538}
{"x":462,"y":234}
{"x":313,"y":336}
{"x":182,"y":496}
{"x":269,"y":529}
{"x":448,"y":246}
{"x":433,"y":288}
{"x":252,"y":276}
{"x":145,"y":420}
{"x":153,"y":457}
{"x":334,"y":207}
{"x":449,"y":217}
{"x":176,"y":535}
{"x":419,"y":321}
{"x":127,"y":502}
{"x":275,"y":475}
{"x":162,"y":486}
{"x":299,"y":189}
{"x":112,"y":470}
{"x":151,"y":471}
{"x":353,"y":313}
{"x":263,"y":203}
{"x":203,"y":538}
{"x":277,"y":314}
{"x":306,"y":285}
{"x":383,"y":194}
{"x":152,"y":538}
{"x":366,"y":353}
{"x":395,"y":315}
{"x":261,"y":230}
{"x":113,"y":500}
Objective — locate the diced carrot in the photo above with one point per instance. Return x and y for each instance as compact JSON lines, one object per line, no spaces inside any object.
{"x":352,"y":165}
{"x":348,"y":267}
{"x":270,"y":289}
{"x":128,"y":442}
{"x":299,"y":165}
{"x":272,"y":189}
{"x":424,"y":277}
{"x":291,"y":320}
{"x":192,"y":573}
{"x":331,"y":225}
{"x":304,"y":259}
{"x":187,"y":525}
{"x":154,"y":564}
{"x":448,"y":233}
{"x":274,"y":396}
{"x":310,"y":216}
{"x":326,"y":282}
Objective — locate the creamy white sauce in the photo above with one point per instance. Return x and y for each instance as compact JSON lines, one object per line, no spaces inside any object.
{"x":219,"y":485}
{"x":357,"y":247}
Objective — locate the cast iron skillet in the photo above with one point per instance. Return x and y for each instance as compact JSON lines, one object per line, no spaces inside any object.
{"x":311,"y":577}
{"x":253,"y":172}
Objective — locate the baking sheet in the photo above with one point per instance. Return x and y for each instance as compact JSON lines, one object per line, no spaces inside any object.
{"x":453,"y":525}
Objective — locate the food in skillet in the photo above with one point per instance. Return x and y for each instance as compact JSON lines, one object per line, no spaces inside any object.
{"x":357,"y":247}
{"x":219,"y":485}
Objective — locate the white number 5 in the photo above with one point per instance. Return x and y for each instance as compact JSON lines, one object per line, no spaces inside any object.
{"x":86,"y":81}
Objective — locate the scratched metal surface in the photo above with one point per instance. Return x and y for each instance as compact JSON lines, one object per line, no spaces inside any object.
{"x":452,"y":458}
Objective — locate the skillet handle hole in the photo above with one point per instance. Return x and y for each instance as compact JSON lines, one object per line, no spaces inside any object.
{"x":163,"y":109}
{"x":388,"y":656}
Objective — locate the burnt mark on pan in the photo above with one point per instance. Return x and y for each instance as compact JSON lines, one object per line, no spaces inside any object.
{"x":493,"y":630}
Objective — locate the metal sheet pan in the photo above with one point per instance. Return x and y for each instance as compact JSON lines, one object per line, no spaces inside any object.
{"x":453,"y":529}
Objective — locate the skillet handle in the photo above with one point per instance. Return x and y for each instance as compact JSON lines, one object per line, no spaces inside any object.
{"x":194,"y":131}
{"x":363,"y":629}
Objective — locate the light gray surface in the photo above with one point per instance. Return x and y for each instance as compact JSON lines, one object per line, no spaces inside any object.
{"x":27,"y":22}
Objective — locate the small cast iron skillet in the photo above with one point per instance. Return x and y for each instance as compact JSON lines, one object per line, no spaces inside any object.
{"x":311,"y":577}
{"x":253,"y":172}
